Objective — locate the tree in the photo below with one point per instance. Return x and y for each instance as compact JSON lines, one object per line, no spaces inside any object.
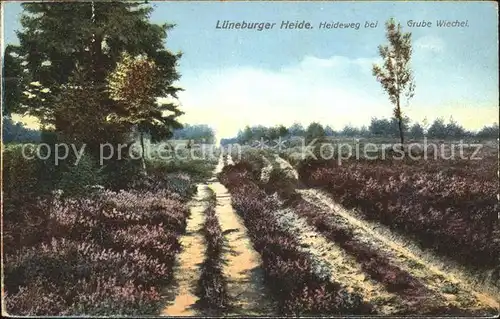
{"x":11,"y":89}
{"x":198,"y":132}
{"x":329,"y":131}
{"x":272,"y":133}
{"x":453,"y":129}
{"x":133,"y":84}
{"x":364,"y":131}
{"x":296,"y":130}
{"x":350,"y":131}
{"x":282,"y":131}
{"x":380,"y":127}
{"x":395,"y":75}
{"x":79,"y":116}
{"x":315,"y":130}
{"x":16,"y":132}
{"x":95,"y":35}
{"x":489,"y":132}
{"x":437,"y":129}
{"x":247,"y":134}
{"x":417,"y":131}
{"x":259,"y":132}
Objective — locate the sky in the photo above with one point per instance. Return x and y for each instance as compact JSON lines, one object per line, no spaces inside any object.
{"x":233,"y":78}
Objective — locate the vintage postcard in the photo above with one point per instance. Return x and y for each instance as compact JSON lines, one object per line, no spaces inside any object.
{"x":250,"y":158}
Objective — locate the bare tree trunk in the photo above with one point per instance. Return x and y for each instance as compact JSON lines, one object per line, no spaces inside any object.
{"x":400,"y":123}
{"x":401,"y":135}
{"x":143,"y":161}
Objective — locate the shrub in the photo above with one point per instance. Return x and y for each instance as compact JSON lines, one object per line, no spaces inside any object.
{"x":20,"y":175}
{"x":108,"y":254}
{"x":197,"y":169}
{"x":77,"y":178}
{"x":212,"y":286}
{"x":121,"y":174}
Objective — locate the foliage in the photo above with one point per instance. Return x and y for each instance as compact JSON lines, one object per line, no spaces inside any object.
{"x":379,"y":127}
{"x":416,"y":131}
{"x":64,"y":78}
{"x":387,"y":127}
{"x":12,"y":82}
{"x":77,"y":177}
{"x":296,"y":129}
{"x":256,"y":133}
{"x":134,"y":84}
{"x":19,"y":174}
{"x":350,"y":131}
{"x":92,"y":43}
{"x":80,"y":116}
{"x":489,"y":132}
{"x":314,"y":130}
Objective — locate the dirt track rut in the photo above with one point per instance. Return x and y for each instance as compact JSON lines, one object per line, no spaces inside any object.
{"x":242,"y":271}
{"x":186,"y":271}
{"x":242,"y":263}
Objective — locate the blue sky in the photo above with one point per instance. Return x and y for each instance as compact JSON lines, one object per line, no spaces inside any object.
{"x":237,"y":77}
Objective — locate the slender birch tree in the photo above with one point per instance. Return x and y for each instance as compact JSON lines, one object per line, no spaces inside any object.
{"x":395,"y":74}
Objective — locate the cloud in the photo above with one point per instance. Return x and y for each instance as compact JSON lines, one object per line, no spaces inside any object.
{"x":336,"y":91}
{"x":330,"y":91}
{"x":429,"y":43}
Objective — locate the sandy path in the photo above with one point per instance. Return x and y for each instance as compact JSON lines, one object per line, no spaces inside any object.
{"x":416,"y":262}
{"x":242,"y":268}
{"x":220,"y":165}
{"x":242,"y":264}
{"x":186,"y":271}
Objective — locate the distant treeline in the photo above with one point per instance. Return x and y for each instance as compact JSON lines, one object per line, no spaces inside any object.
{"x":16,"y":132}
{"x":377,"y":128}
{"x":196,"y":133}
{"x":202,"y":133}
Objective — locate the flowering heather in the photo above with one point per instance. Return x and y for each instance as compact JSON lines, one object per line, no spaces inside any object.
{"x":448,"y":206}
{"x":212,"y":286}
{"x":108,"y":254}
{"x":373,"y":262}
{"x":178,"y":183}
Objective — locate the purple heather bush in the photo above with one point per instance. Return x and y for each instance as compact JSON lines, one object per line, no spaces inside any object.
{"x":105,"y":254}
{"x":448,"y":206}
